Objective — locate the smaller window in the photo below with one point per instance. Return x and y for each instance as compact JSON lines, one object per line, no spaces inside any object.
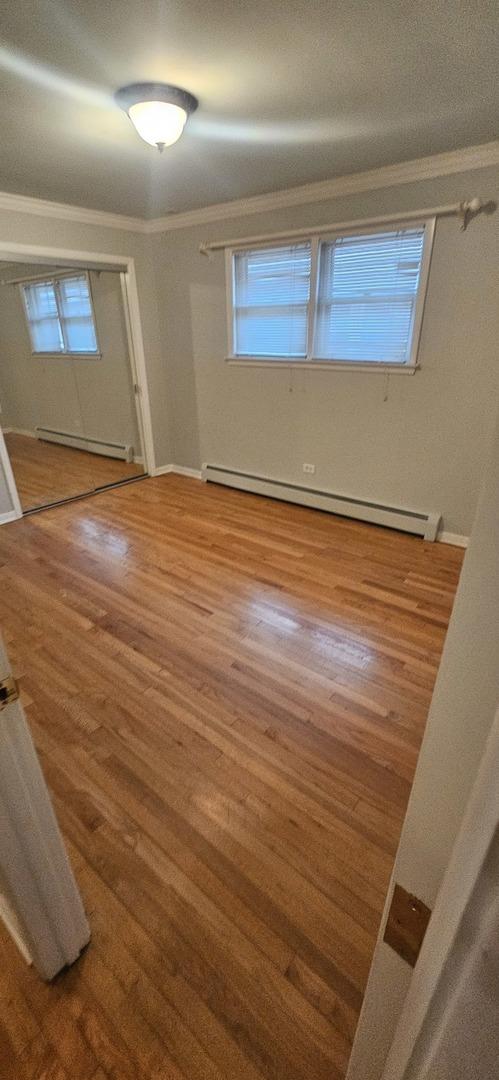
{"x":60,"y":316}
{"x":367,"y":292}
{"x":271,"y":298}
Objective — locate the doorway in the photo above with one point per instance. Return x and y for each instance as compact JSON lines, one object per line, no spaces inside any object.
{"x":72,"y":408}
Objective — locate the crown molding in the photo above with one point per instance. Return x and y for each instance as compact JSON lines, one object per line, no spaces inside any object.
{"x":81,"y":215}
{"x":406,"y":172}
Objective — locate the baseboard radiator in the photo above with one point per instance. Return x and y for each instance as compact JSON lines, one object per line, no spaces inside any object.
{"x":411,"y":521}
{"x":83,"y":442}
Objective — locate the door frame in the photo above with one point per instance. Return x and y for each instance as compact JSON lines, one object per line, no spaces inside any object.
{"x":92,"y":260}
{"x":461,"y":880}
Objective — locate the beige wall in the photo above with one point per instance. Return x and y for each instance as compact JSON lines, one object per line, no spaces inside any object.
{"x":424,"y":447}
{"x":80,"y":395}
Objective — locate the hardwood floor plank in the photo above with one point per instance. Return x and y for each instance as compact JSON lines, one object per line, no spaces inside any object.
{"x":228,"y":695}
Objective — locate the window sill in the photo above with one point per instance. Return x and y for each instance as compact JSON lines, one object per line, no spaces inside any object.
{"x":323,"y":365}
{"x":67,"y":355}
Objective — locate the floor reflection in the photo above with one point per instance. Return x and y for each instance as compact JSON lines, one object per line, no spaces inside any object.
{"x":46,"y":472}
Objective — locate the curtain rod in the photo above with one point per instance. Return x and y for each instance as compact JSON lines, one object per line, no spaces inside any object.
{"x":466,"y":210}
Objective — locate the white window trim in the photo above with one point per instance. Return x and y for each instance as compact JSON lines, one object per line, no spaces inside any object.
{"x":310,"y":361}
{"x":53,"y":279}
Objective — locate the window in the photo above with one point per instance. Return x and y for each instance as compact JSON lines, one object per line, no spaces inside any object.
{"x":60,"y":316}
{"x":348,"y":300}
{"x":272,"y":294}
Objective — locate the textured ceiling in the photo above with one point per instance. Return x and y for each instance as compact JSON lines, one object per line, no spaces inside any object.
{"x":290,"y":92}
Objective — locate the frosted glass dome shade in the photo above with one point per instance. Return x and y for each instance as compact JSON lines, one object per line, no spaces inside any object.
{"x":159,"y":123}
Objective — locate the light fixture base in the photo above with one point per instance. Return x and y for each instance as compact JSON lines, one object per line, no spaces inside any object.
{"x":135,"y":93}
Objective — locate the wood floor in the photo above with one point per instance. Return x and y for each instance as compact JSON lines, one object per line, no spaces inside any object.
{"x":45,"y":472}
{"x":228,"y":695}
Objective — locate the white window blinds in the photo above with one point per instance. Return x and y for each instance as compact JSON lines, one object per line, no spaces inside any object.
{"x":367,"y":293}
{"x":43,"y":317}
{"x":60,"y":316}
{"x":347,"y":300}
{"x":271,"y":298}
{"x":76,"y":314}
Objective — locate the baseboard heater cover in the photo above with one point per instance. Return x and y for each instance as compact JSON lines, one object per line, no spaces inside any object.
{"x":83,"y":442}
{"x":411,"y":521}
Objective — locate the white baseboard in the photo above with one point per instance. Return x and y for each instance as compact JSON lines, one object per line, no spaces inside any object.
{"x":137,"y":459}
{"x":453,"y":538}
{"x":160,"y":470}
{"x":457,"y":539}
{"x":11,"y":515}
{"x":19,"y":431}
{"x":418,"y":522}
{"x":181,"y":470}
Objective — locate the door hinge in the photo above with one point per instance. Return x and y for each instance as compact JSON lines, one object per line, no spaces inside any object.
{"x":406,"y":924}
{"x":9,"y":691}
{"x":136,"y":388}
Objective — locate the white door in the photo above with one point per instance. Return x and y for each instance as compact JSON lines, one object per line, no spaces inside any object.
{"x":39,"y":900}
{"x":460,"y":721}
{"x":448,"y":1029}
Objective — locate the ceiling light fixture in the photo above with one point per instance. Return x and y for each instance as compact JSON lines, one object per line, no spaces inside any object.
{"x":158,"y":111}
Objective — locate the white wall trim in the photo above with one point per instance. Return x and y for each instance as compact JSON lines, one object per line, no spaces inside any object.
{"x":419,"y":522}
{"x":405,"y":172}
{"x":182,"y":470}
{"x":11,"y":515}
{"x":19,"y":431}
{"x":161,"y":470}
{"x":16,"y":512}
{"x":453,"y":538}
{"x":24,"y":204}
{"x":10,"y":251}
{"x":443,"y":537}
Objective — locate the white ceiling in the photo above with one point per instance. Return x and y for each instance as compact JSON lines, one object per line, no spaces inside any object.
{"x":290,"y":92}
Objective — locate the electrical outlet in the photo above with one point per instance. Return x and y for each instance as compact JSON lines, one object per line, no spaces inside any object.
{"x":308,"y":468}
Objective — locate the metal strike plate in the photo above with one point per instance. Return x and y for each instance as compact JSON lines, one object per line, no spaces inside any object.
{"x":406,"y":925}
{"x":9,"y":691}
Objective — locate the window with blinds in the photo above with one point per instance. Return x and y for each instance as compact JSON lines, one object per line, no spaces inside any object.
{"x":60,"y":316}
{"x":367,"y":292}
{"x":271,"y":298}
{"x":350,"y":300}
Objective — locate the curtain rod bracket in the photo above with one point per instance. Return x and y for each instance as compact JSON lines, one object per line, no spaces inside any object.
{"x":468,"y":210}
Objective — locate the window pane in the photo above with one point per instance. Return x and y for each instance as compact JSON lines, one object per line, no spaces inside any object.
{"x":80,"y":335}
{"x":76,"y":313}
{"x":74,"y":296}
{"x":41,"y":306}
{"x":60,"y":315}
{"x":367,"y":296}
{"x":46,"y":336}
{"x":271,"y":294}
{"x":40,"y":300}
{"x":272,"y":331}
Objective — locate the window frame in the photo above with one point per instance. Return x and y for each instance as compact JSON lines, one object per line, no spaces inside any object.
{"x":54,"y":280}
{"x":407,"y":367}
